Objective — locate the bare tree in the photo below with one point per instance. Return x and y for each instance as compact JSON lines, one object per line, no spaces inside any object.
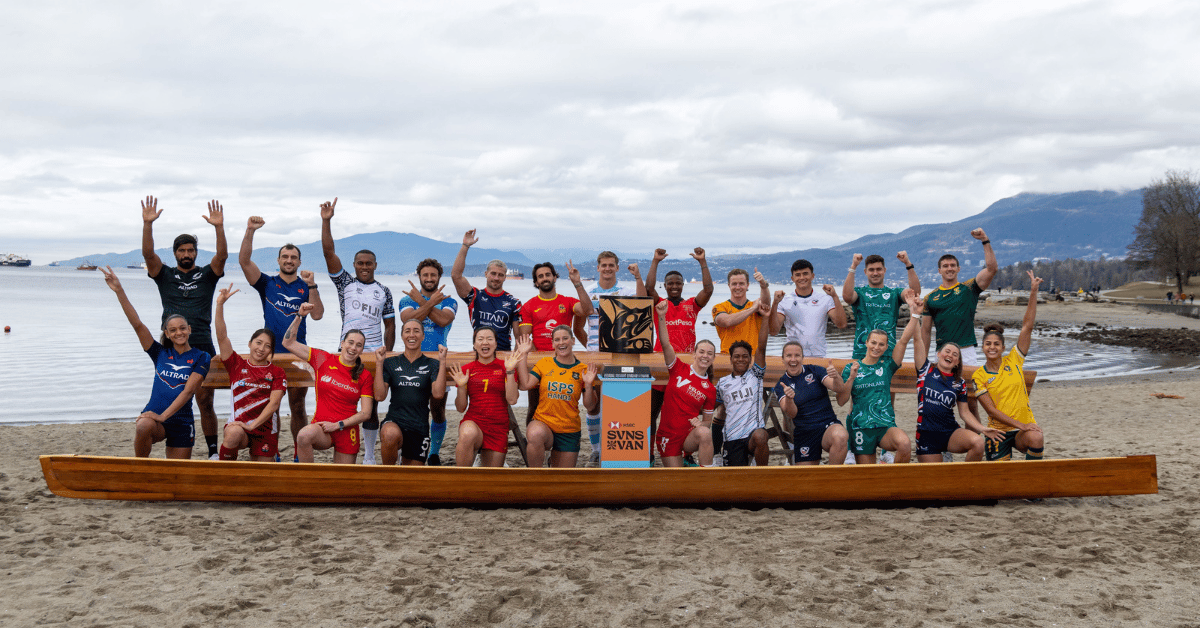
{"x":1167,"y":238}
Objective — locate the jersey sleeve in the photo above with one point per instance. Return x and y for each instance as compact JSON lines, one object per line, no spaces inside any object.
{"x":316,"y":357}
{"x":210,"y":276}
{"x":405,"y":303}
{"x":260,"y":286}
{"x":280,"y":382}
{"x":154,"y":350}
{"x":846,"y":370}
{"x":975,"y":287}
{"x":450,"y":303}
{"x":366,"y":384}
{"x":719,"y":398}
{"x":388,"y":312}
{"x":980,"y":379}
{"x":760,"y":372}
{"x":710,"y":403}
{"x":538,"y":370}
{"x":202,"y":363}
{"x":341,"y":279}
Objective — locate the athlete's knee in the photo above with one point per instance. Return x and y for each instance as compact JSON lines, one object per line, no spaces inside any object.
{"x":308,"y":436}
{"x":838,"y":437}
{"x":1034,"y":439}
{"x":390,"y":435}
{"x":758,"y":438}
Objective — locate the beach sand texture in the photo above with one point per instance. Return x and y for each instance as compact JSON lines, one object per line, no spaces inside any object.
{"x":1130,"y":561}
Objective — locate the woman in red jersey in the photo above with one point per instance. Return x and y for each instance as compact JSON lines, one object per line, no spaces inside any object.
{"x":684,"y":425}
{"x":343,"y":385}
{"x":256,"y":386}
{"x":488,"y":386}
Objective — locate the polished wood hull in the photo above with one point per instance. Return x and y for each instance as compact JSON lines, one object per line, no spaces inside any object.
{"x":99,"y":477}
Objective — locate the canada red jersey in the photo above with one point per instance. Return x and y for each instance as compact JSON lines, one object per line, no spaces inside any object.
{"x":337,"y":393}
{"x":485,"y":393}
{"x":545,"y":315}
{"x":251,"y":387}
{"x":688,"y":395}
{"x":681,"y":325}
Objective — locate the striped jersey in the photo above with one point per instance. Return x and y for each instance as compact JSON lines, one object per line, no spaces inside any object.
{"x":250,"y":387}
{"x":742,"y":396}
{"x":364,"y":306}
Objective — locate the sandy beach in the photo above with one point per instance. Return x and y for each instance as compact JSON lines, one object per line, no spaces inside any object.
{"x":1082,"y":561}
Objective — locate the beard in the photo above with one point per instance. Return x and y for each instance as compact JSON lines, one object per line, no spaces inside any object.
{"x":186,"y":263}
{"x":429,"y":287}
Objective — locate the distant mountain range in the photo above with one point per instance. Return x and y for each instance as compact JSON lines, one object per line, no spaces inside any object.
{"x":1082,"y":225}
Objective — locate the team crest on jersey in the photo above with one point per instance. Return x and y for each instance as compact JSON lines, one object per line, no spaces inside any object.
{"x":879,"y":372}
{"x":810,"y":378}
{"x":804,"y":451}
{"x":561,"y":308}
{"x":887,"y":295}
{"x":815,"y":301}
{"x":575,"y":375}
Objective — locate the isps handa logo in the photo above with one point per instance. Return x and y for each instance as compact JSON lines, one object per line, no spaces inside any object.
{"x":625,"y":439}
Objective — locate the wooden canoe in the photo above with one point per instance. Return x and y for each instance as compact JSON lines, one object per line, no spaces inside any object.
{"x":98,"y":477}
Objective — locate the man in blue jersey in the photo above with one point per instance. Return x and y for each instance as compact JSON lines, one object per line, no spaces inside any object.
{"x":436,"y":313}
{"x":491,"y":307}
{"x":281,"y":296}
{"x":366,"y":305}
{"x":187,"y":290}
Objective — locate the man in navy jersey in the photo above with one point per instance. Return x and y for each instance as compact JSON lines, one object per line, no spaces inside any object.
{"x":187,"y":290}
{"x":491,"y":307}
{"x":366,"y":305}
{"x":281,"y":296}
{"x":436,"y":312}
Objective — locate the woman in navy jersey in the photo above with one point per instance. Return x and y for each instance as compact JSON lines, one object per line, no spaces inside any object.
{"x":179,"y":372}
{"x":256,"y":386}
{"x":486,"y":388}
{"x":941,"y":389}
{"x":414,"y":382}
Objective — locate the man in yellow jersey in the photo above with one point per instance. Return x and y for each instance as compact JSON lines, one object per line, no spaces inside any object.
{"x":738,"y":319}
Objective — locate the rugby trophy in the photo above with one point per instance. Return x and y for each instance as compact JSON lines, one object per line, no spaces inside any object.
{"x":626,"y":330}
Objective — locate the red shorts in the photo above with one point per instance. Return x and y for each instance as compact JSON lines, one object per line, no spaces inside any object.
{"x":670,"y":445}
{"x":495,"y":436}
{"x":263,"y":444}
{"x":345,"y":441}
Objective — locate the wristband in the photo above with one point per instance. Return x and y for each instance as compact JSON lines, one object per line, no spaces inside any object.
{"x":341,"y":425}
{"x":313,"y":287}
{"x":851,"y":269}
{"x":986,"y":242}
{"x":910,"y":267}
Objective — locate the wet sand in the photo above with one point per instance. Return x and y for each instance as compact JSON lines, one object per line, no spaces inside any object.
{"x":1067,"y":562}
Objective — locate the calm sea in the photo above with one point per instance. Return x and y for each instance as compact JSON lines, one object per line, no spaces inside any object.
{"x":71,"y":355}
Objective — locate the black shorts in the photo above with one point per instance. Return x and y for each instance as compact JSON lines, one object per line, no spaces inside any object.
{"x":414,"y":444}
{"x":806,"y":440}
{"x":933,"y":441}
{"x":180,"y":433}
{"x":737,"y":452}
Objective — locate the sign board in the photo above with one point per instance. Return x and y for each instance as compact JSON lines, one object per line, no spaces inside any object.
{"x":625,"y":417}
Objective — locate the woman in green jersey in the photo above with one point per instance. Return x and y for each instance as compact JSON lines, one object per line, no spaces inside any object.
{"x":872,"y":419}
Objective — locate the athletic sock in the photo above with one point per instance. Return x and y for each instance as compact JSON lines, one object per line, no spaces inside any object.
{"x":228,"y":454}
{"x":369,"y":438}
{"x":437,"y":433}
{"x":212,"y":444}
{"x":593,"y":423}
{"x":1033,"y":453}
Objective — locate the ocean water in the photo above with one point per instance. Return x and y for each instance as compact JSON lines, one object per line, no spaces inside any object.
{"x":72,"y":356}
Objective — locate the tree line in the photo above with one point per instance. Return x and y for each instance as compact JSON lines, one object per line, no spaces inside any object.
{"x":1072,"y":274}
{"x":1167,"y":238}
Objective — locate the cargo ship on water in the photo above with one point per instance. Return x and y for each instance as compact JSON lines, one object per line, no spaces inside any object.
{"x":12,"y":259}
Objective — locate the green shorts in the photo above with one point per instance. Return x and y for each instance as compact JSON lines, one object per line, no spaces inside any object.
{"x":567,"y":442}
{"x":1002,"y":449}
{"x":864,"y":441}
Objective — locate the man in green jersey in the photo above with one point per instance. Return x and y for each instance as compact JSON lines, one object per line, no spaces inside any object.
{"x":951,"y":307}
{"x":875,"y":305}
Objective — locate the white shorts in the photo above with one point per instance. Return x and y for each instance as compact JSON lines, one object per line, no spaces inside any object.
{"x":969,"y":357}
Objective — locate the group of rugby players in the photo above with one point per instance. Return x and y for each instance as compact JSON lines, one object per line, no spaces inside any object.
{"x":718,"y":423}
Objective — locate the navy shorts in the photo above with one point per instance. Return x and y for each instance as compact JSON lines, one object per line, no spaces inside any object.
{"x":806,"y":440}
{"x":180,"y":433}
{"x":933,"y":441}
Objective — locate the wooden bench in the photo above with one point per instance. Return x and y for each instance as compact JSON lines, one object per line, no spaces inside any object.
{"x":903,"y":382}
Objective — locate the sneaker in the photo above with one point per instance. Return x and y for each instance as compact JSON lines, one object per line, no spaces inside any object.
{"x":214,"y":457}
{"x":718,"y":460}
{"x":887,"y":457}
{"x":296,"y":458}
{"x":370,"y":460}
{"x":478,"y":461}
{"x":434,"y":461}
{"x":594,"y":460}
{"x":849,"y":457}
{"x":277,"y":458}
{"x":689,"y":461}
{"x":947,"y":456}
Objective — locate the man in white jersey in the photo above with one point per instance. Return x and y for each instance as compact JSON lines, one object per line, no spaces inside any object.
{"x":804,"y":311}
{"x":366,"y":305}
{"x":740,"y":399}
{"x":588,"y":330}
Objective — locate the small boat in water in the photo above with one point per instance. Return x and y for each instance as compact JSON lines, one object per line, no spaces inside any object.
{"x":514,"y":274}
{"x":12,"y":259}
{"x":141,"y":266}
{"x":86,"y":265}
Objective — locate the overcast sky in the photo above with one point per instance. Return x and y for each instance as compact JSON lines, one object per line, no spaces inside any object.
{"x":739,"y":126}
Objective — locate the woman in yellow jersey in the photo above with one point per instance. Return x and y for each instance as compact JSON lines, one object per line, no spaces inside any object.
{"x":560,"y":381}
{"x":1000,"y":387}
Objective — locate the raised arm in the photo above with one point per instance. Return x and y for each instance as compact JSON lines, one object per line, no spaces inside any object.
{"x":764,"y":287}
{"x":652,"y":273}
{"x":584,"y":308}
{"x":591,"y":399}
{"x":990,"y":267}
{"x":920,"y":336}
{"x":314,"y":297}
{"x":847,"y":388}
{"x":289,"y":341}
{"x":332,"y":261}
{"x":660,"y":310}
{"x":848,"y":293}
{"x":1030,"y":315}
{"x":245,"y":253}
{"x":512,"y":391}
{"x":639,"y":285}
{"x":461,"y":285}
{"x":223,"y":344}
{"x":764,"y":310}
{"x":216,"y":218}
{"x":833,"y":379}
{"x":837,"y":313}
{"x":706,"y":290}
{"x":143,"y":333}
{"x":150,"y":213}
{"x":914,"y":281}
{"x":461,"y":380}
{"x":380,"y":388}
{"x":439,"y":385}
{"x":909,"y":331}
{"x":525,"y":379}
{"x":426,"y":308}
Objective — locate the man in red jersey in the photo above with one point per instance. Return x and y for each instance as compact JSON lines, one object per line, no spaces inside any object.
{"x":681,"y":318}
